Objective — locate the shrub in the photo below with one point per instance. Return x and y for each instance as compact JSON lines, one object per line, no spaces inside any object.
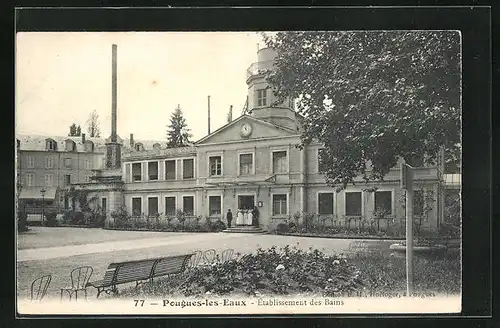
{"x":218,"y":226}
{"x":51,"y":219}
{"x":282,"y":228}
{"x":120,"y":217}
{"x":290,"y":270}
{"x":22,"y":222}
{"x":77,"y":218}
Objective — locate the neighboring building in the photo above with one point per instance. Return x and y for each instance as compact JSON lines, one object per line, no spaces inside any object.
{"x":55,"y":163}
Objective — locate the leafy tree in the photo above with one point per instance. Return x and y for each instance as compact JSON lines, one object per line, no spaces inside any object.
{"x":93,"y":125}
{"x":78,"y":131}
{"x":371,"y":97}
{"x":72,"y":130}
{"x":178,"y":134}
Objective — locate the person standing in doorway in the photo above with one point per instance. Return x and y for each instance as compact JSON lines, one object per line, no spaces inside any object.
{"x":229,"y":217}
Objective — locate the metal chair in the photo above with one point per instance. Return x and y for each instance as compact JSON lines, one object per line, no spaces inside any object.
{"x":196,"y":259}
{"x":227,"y":255}
{"x":209,"y":255}
{"x":79,"y":279}
{"x":39,"y":287}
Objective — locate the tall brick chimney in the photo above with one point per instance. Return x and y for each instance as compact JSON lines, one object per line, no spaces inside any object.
{"x":113,"y":148}
{"x":132,"y":140}
{"x":113,"y":93}
{"x":83,"y":138}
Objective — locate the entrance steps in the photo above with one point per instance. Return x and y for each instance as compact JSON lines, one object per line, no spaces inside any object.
{"x":245,"y":229}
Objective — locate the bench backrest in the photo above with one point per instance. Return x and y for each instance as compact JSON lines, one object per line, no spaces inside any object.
{"x":134,"y":271}
{"x":123,"y":272}
{"x":109,"y":275}
{"x":171,"y":265}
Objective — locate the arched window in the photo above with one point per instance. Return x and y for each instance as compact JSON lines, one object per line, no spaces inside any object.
{"x":139,"y":146}
{"x":89,"y":146}
{"x":70,"y":145}
{"x":50,"y":144}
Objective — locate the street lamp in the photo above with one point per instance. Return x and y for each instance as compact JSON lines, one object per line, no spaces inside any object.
{"x":42,"y":191}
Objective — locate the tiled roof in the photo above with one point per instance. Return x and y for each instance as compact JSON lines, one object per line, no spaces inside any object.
{"x":37,"y":142}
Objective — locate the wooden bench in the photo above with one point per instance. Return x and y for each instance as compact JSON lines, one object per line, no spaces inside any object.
{"x":140,"y":271}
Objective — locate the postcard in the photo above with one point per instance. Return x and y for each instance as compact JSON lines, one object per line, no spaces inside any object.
{"x":238,"y":173}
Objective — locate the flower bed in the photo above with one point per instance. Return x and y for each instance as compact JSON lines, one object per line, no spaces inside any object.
{"x":292,"y":271}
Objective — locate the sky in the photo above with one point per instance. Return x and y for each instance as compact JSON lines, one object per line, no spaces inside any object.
{"x":61,"y":77}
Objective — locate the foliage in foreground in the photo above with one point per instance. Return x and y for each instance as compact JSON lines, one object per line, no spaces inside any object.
{"x":372,"y":97}
{"x":292,"y":271}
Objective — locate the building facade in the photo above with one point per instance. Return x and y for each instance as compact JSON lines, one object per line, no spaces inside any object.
{"x":54,"y":164}
{"x":252,"y":162}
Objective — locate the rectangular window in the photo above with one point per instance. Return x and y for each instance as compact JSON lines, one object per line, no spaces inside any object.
{"x":104,"y":205}
{"x":152,"y":206}
{"x":67,"y":179}
{"x":67,"y":163}
{"x":280,"y":162}
{"x":30,"y":177}
{"x":31,"y":162}
{"x":188,"y":169}
{"x":353,"y":203}
{"x":170,"y":170}
{"x":325,"y":203}
{"x":383,"y":202}
{"x":136,"y":172}
{"x":49,"y":162}
{"x":418,"y":202}
{"x":88,"y":164}
{"x":188,"y":205}
{"x":170,"y":207}
{"x":153,"y":171}
{"x":136,"y":206}
{"x":262,"y":97}
{"x":246,"y":164}
{"x":49,"y":180}
{"x":279,"y":204}
{"x":214,"y":205}
{"x":215,"y":165}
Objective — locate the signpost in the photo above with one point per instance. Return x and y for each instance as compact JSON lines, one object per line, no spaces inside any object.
{"x":407,"y":184}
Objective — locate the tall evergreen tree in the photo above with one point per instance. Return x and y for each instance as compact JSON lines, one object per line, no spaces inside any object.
{"x":78,"y":131}
{"x":178,"y":134}
{"x":72,"y":130}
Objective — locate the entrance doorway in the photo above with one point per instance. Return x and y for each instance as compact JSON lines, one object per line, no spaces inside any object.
{"x":246,"y":202}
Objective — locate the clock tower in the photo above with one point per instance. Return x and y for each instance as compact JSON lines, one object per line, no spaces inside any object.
{"x":262,"y":103}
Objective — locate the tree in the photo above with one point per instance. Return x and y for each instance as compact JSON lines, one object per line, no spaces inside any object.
{"x":178,"y":134}
{"x":371,"y":97}
{"x":78,"y":131}
{"x":93,"y":125}
{"x":72,"y":130}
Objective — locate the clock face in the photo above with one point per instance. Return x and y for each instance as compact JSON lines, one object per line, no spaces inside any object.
{"x":246,"y":130}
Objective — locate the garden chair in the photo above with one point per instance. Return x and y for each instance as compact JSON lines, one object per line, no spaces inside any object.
{"x":79,"y":280}
{"x":39,"y":287}
{"x":196,"y":259}
{"x":227,"y":255}
{"x":209,"y":255}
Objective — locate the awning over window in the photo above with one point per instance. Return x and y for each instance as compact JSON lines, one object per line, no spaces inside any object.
{"x":34,"y":193}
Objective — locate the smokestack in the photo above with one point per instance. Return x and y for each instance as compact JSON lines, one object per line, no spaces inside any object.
{"x":83,"y":137}
{"x":132,"y":140}
{"x":230,"y":114}
{"x":208,"y":114}
{"x":113,"y":92}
